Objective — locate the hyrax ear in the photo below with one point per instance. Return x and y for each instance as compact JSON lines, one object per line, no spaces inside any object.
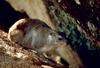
{"x":62,"y":34}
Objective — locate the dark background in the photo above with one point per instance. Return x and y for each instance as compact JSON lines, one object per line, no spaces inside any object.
{"x":8,"y":15}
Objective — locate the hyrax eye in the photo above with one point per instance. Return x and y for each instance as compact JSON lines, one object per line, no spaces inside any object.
{"x":52,"y":34}
{"x":60,"y":38}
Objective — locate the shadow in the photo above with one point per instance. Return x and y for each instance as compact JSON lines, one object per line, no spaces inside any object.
{"x":8,"y":15}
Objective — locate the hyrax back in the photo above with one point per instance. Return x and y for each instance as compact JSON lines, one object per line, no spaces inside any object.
{"x":35,"y":34}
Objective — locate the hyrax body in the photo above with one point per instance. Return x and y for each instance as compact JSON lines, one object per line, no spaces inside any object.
{"x":35,"y":34}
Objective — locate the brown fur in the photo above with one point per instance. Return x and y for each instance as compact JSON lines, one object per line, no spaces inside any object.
{"x":35,"y":34}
